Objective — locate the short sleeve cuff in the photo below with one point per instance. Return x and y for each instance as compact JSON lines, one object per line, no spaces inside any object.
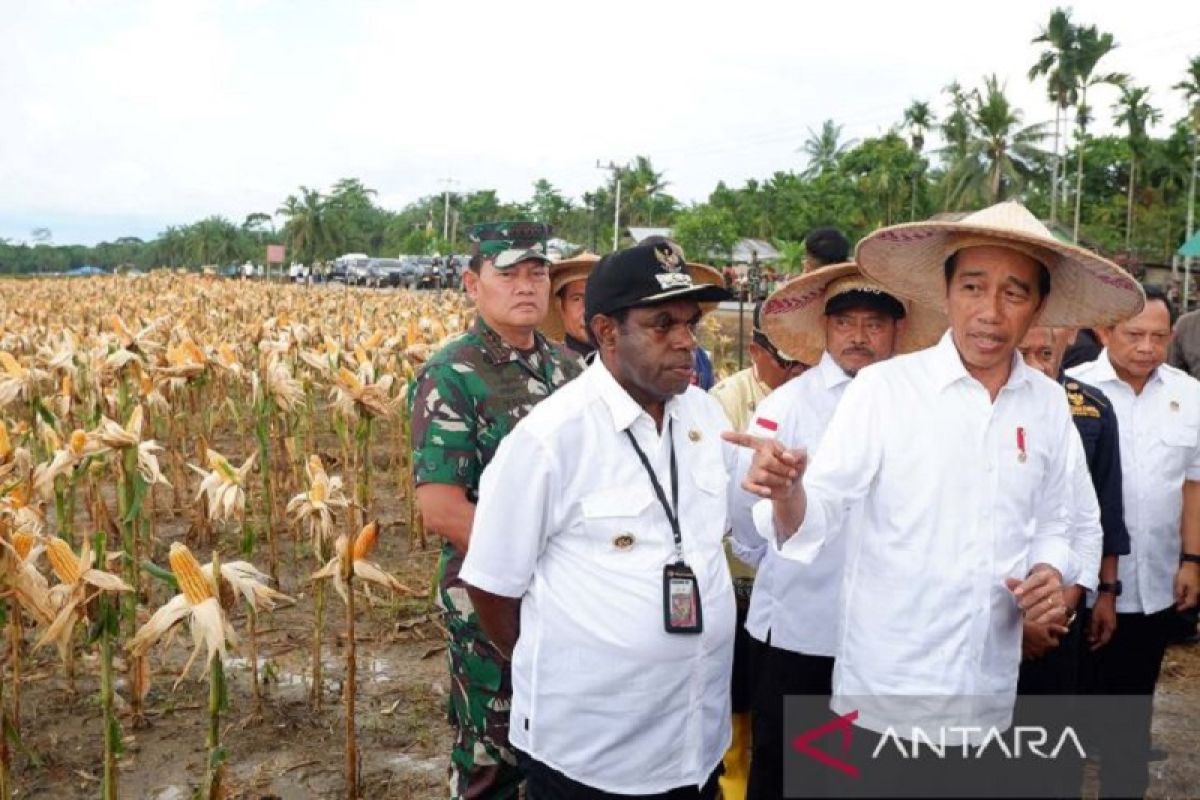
{"x":490,"y":583}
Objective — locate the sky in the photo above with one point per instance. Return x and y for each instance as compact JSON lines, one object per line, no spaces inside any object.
{"x":118,"y":118}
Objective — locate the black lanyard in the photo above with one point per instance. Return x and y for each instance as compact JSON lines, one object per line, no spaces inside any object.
{"x":658,"y":489}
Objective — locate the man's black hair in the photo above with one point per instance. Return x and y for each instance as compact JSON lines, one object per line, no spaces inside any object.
{"x":827,"y":246}
{"x":1155,"y":292}
{"x":1043,"y":276}
{"x":862,"y":300}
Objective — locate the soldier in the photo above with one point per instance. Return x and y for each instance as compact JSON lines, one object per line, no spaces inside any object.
{"x":464,"y":402}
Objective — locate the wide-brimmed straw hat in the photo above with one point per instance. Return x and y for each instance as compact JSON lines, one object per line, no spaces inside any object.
{"x":1086,"y":290}
{"x":575,"y":268}
{"x":793,"y":316}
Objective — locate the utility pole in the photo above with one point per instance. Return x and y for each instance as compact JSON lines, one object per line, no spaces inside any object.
{"x":446,"y":183}
{"x":616,"y":173}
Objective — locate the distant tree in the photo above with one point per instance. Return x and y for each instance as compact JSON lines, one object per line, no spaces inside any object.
{"x":823,"y":149}
{"x":1057,"y":64}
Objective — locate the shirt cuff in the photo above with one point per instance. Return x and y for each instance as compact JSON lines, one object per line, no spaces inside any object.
{"x":490,"y":583}
{"x":1053,"y":551}
{"x":803,"y":545}
{"x":1070,"y":575}
{"x":1088,"y":582}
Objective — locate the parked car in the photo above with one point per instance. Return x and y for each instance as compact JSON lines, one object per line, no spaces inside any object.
{"x":394,"y":272}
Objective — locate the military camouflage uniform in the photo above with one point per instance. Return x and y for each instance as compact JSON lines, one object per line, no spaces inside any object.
{"x":464,"y":401}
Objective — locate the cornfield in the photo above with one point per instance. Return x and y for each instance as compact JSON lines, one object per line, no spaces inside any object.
{"x":149,"y":423}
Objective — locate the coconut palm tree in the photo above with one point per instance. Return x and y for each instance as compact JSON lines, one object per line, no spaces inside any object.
{"x":998,"y":155}
{"x":1191,"y":92}
{"x":824,"y":149}
{"x":307,"y":231}
{"x":1056,"y":63}
{"x":1090,"y":46}
{"x":1133,"y":110}
{"x":919,"y":120}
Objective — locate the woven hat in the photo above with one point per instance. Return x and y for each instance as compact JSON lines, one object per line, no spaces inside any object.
{"x":1086,"y":290}
{"x":575,"y":268}
{"x":793,"y":316}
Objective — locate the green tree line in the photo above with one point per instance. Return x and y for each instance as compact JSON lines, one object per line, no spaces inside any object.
{"x":1128,"y":193}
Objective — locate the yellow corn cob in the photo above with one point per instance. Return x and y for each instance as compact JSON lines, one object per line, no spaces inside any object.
{"x":23,"y":543}
{"x":10,"y":365}
{"x":374,"y":341}
{"x":5,"y":445}
{"x":66,"y":385}
{"x":63,"y":561}
{"x":77,"y":441}
{"x":186,"y":568}
{"x":348,"y":379}
{"x":364,"y":543}
{"x":318,"y":492}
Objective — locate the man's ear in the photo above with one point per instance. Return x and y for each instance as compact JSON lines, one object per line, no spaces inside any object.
{"x":471,"y":283}
{"x":604,"y":329}
{"x":1104,"y":335}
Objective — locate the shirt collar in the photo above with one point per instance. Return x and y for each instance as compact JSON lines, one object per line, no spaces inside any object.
{"x":496,"y":349}
{"x":623,"y":408}
{"x":949,"y":368}
{"x":831,"y":374}
{"x":1103,"y":371}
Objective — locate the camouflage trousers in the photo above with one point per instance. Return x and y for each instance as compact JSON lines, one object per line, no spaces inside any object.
{"x":482,"y":764}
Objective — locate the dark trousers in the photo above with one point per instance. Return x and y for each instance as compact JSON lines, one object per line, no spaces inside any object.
{"x":543,"y":782}
{"x":1128,"y":665}
{"x":780,"y":673}
{"x":1056,"y":673}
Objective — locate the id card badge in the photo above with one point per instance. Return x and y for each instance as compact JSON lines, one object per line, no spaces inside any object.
{"x":681,"y":600}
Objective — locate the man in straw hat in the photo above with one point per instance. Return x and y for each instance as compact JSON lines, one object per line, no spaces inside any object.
{"x":841,"y":321}
{"x":956,"y":458}
{"x":607,"y":582}
{"x":564,"y":317}
{"x":1158,"y":407}
{"x":739,"y":395}
{"x":465,"y":400}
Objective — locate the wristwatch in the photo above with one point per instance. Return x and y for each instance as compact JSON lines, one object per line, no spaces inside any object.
{"x":1113,"y":588}
{"x":1189,"y":558}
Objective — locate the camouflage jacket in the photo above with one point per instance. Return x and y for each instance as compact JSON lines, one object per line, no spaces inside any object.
{"x":466,"y":399}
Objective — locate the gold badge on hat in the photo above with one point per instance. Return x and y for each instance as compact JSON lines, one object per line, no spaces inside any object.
{"x":669,"y":256}
{"x":695,"y":435}
{"x":623,"y":541}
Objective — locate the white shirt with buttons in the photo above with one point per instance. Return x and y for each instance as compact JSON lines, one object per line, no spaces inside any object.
{"x":1160,"y":449}
{"x":568,"y":521}
{"x":796,"y":604}
{"x":958,"y":493}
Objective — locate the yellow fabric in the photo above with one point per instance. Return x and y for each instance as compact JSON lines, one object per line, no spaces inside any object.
{"x":737,"y":760}
{"x":739,"y":395}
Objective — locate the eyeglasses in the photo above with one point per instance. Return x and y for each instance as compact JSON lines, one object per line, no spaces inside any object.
{"x":761,"y":339}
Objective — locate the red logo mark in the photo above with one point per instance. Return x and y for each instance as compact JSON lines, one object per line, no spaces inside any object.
{"x":769,"y":424}
{"x":845,"y":724}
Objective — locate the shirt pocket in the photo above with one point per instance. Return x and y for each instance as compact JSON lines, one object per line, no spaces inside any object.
{"x":624,"y":527}
{"x":1179,"y":446}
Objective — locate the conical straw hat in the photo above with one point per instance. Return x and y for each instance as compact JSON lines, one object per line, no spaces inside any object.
{"x":575,"y":268}
{"x":793,"y":316}
{"x":1086,"y":291}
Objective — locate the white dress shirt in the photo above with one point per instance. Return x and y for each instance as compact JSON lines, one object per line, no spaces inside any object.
{"x":1160,"y":449}
{"x":1087,"y":537}
{"x":796,"y":603}
{"x":568,"y":520}
{"x":958,"y":493}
